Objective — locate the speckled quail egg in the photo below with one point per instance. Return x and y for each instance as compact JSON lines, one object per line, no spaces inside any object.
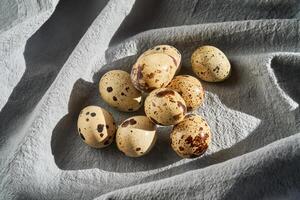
{"x":191,"y":137}
{"x":96,"y":126}
{"x":136,"y":136}
{"x":165,"y":107}
{"x":210,"y":64}
{"x":190,"y":89}
{"x":117,"y":90}
{"x":153,"y":71}
{"x":166,"y":49}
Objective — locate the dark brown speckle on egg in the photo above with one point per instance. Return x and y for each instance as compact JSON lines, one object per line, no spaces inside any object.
{"x":165,"y":92}
{"x":181,"y":105}
{"x":177,"y":117}
{"x":109,"y":89}
{"x":132,"y":121}
{"x":127,"y":122}
{"x":100,"y":128}
{"x":150,"y":76}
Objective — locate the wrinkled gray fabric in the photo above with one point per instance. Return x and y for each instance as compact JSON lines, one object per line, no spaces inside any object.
{"x":54,"y":53}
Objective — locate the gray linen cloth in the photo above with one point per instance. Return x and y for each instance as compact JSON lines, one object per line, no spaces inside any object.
{"x":52,"y":55}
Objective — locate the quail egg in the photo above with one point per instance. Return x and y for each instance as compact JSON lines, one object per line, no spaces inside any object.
{"x":190,"y":89}
{"x":153,"y":71}
{"x":165,"y":107}
{"x":191,"y":137}
{"x":136,"y":136}
{"x":96,"y":126}
{"x":210,"y":64}
{"x":166,"y":49}
{"x":116,"y":89}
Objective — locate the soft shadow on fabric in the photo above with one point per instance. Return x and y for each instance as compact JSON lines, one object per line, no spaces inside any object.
{"x":45,"y":54}
{"x":155,"y":14}
{"x":71,"y":153}
{"x":269,"y":179}
{"x":287,"y":71}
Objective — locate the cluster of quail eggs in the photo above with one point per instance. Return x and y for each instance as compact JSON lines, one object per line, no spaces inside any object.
{"x":169,"y":100}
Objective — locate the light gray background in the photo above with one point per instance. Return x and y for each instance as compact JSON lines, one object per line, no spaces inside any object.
{"x":52,"y":55}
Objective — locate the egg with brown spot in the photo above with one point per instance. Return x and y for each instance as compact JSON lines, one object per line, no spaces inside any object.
{"x":165,"y":107}
{"x":166,"y":49}
{"x":191,"y":137}
{"x":136,"y":136}
{"x":210,"y":64}
{"x":96,"y":126}
{"x":153,"y":71}
{"x":191,"y":90}
{"x":117,"y":90}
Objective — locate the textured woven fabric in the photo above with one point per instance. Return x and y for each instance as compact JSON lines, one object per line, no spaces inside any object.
{"x":52,"y":55}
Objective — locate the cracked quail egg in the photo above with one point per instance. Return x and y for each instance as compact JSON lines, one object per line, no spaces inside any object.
{"x":136,"y":136}
{"x":96,"y":126}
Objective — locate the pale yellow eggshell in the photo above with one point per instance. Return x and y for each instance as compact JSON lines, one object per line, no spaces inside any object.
{"x":191,"y":137}
{"x":153,"y":71}
{"x":191,"y":90}
{"x":117,"y":90}
{"x":165,"y":107}
{"x":166,"y":49}
{"x":136,"y":136}
{"x":210,"y":64}
{"x":96,"y":126}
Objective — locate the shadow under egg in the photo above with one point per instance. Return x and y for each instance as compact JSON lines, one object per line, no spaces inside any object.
{"x":71,"y":153}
